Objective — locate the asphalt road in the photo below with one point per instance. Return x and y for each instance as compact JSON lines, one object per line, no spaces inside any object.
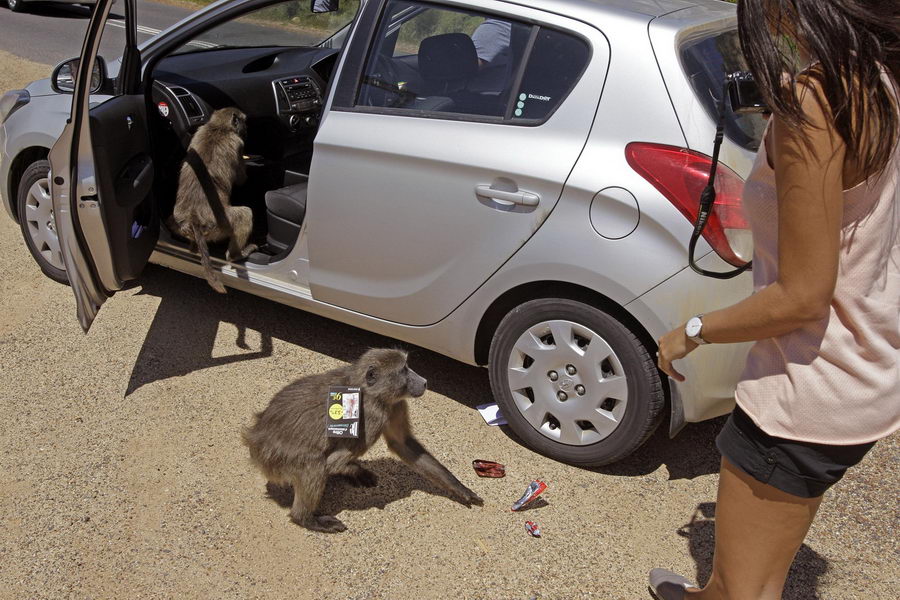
{"x":51,"y":33}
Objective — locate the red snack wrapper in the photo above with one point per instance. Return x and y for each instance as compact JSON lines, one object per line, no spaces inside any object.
{"x":535,"y":488}
{"x":532,"y":529}
{"x":488,"y":468}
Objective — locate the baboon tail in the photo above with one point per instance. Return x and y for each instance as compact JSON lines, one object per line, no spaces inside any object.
{"x":211,"y":276}
{"x":246,"y":438}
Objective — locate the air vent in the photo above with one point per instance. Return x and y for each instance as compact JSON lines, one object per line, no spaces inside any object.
{"x":191,"y":107}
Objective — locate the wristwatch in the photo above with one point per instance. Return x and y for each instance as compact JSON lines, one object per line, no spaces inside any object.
{"x":693,"y":330}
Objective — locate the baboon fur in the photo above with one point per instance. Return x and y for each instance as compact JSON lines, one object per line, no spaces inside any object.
{"x":288,"y":443}
{"x":219,"y":144}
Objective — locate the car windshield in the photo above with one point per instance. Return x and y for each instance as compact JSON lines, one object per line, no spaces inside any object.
{"x":706,"y":62}
{"x":284,"y":24}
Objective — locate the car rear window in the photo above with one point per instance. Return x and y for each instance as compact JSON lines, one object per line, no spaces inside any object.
{"x":556,"y":63}
{"x":706,"y":61}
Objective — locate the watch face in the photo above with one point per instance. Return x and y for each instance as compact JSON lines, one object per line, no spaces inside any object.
{"x":693,"y":327}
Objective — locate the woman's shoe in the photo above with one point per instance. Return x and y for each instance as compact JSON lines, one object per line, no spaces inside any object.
{"x":667,"y":585}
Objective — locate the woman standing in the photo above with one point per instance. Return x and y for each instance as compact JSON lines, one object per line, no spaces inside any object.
{"x":822,"y":382}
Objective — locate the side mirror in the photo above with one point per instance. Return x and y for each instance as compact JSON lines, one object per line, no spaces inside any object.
{"x":63,"y":79}
{"x":324,"y":6}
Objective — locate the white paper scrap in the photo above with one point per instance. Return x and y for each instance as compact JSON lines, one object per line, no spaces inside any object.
{"x":491,"y":414}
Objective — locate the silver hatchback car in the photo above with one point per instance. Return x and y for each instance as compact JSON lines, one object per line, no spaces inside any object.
{"x":511,"y":184}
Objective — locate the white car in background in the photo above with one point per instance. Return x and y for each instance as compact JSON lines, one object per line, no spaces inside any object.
{"x":20,"y":5}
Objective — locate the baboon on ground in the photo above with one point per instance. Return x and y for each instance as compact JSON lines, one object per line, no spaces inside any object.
{"x":289,"y":445}
{"x":203,"y":212}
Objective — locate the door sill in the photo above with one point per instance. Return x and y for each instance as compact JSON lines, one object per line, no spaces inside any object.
{"x":250,"y":277}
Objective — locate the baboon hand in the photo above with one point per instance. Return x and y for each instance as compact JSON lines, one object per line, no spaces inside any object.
{"x":469,"y":498}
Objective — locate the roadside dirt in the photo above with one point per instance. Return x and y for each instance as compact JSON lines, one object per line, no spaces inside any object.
{"x":122,"y":474}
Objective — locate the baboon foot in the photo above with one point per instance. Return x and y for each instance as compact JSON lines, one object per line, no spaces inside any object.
{"x":329,"y":524}
{"x":322,"y":523}
{"x":282,"y":494}
{"x":363,"y":478}
{"x":243,"y":254}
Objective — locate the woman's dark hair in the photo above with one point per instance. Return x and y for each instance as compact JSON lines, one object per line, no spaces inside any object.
{"x":851,"y":41}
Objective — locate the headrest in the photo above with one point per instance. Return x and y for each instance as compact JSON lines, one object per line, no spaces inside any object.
{"x":448,"y":57}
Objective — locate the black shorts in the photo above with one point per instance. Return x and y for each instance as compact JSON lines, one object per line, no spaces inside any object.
{"x":799,"y":468}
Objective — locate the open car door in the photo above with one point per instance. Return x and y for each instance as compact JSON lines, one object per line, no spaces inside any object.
{"x":101,"y":172}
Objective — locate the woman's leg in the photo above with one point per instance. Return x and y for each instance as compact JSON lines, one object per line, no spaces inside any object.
{"x":758,"y":531}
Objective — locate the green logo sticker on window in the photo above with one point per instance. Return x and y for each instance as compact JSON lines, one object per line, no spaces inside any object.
{"x":518,"y":112}
{"x":523,"y":96}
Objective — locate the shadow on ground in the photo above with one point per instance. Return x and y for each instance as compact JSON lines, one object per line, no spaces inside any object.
{"x":803,"y":579}
{"x":190,"y":315}
{"x":691,"y":454}
{"x":396,"y":481}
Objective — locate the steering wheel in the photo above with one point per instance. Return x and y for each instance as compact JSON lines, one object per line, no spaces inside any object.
{"x":384,"y":90}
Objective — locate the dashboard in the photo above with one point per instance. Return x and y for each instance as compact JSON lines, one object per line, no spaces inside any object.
{"x":281,"y":90}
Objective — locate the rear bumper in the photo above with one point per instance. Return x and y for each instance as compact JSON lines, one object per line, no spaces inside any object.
{"x":711,"y":372}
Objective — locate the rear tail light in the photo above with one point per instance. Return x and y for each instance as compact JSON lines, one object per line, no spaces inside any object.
{"x":680,"y":175}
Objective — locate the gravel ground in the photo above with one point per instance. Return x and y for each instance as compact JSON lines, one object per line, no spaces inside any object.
{"x":123,"y":476}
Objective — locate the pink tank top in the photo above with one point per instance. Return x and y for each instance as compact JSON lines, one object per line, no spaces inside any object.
{"x":835,"y":381}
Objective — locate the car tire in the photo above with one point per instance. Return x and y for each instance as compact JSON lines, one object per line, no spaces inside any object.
{"x":588,"y":400}
{"x":35,"y":209}
{"x":15,"y":5}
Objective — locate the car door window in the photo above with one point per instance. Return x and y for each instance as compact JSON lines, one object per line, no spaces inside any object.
{"x":283,"y":24}
{"x":429,"y":60}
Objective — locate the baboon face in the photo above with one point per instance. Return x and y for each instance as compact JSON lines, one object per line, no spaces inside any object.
{"x":232,"y":118}
{"x":389,"y":377}
{"x":415,"y":383}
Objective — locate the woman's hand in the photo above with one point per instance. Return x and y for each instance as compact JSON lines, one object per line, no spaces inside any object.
{"x":672,"y":346}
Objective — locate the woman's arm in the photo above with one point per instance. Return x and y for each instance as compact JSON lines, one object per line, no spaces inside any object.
{"x":809,"y":166}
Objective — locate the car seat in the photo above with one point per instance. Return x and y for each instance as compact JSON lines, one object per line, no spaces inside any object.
{"x":285,"y":211}
{"x":446,"y":63}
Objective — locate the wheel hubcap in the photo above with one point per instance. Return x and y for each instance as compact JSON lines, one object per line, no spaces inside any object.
{"x":567,"y":382}
{"x":41,"y":224}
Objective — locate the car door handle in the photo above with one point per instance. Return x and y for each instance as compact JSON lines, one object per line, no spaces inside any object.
{"x":143,"y":174}
{"x":520,"y":197}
